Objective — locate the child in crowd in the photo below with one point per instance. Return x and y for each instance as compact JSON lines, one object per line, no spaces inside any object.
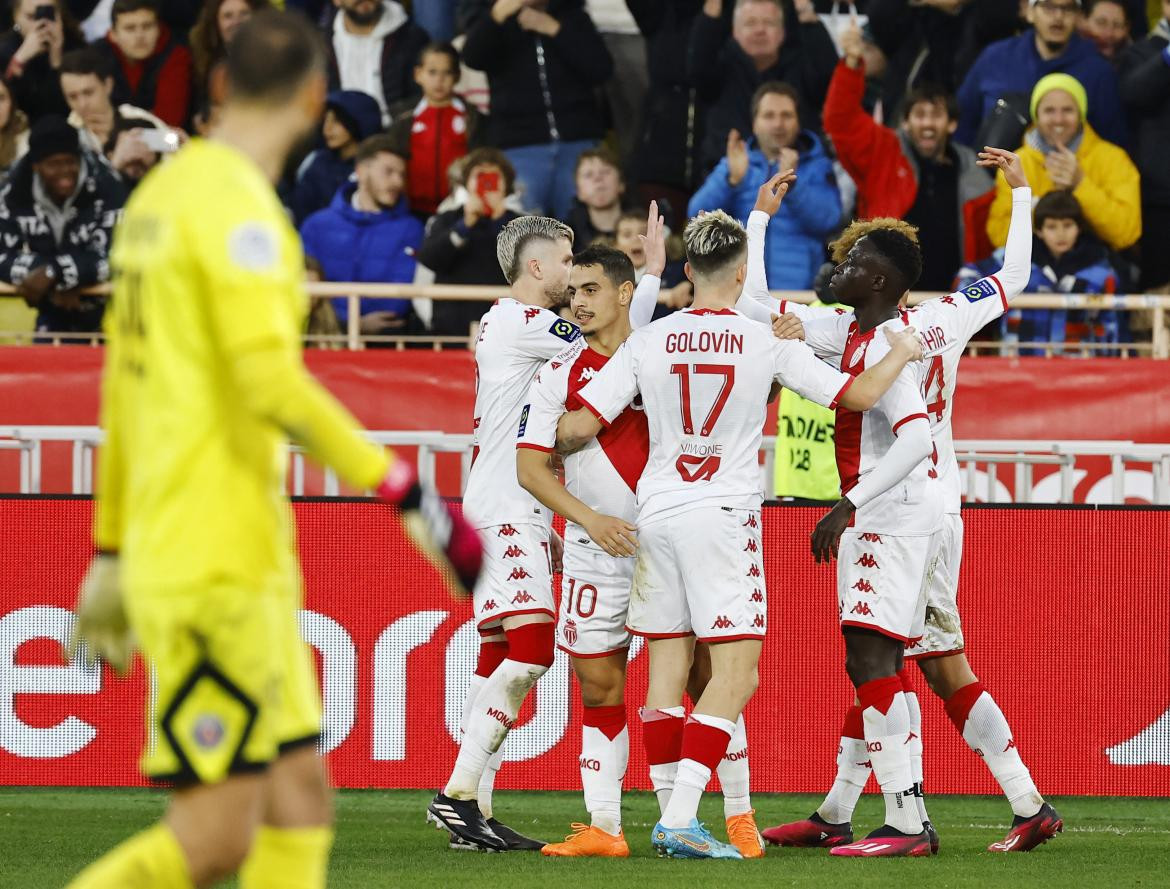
{"x":1067,"y":257}
{"x":437,"y":130}
{"x":600,"y":189}
{"x":676,"y":292}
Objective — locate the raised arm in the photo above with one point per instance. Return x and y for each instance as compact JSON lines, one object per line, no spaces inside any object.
{"x":1017,"y":259}
{"x":646,"y":294}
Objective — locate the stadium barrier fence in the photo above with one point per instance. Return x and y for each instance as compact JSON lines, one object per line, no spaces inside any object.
{"x":1063,"y":613}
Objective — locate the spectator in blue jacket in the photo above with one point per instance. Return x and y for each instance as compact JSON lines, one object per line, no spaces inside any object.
{"x":795,"y":247}
{"x":350,"y":117}
{"x":1010,"y":68}
{"x":368,"y":234}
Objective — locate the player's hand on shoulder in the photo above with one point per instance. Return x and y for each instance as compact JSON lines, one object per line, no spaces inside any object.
{"x":615,"y":536}
{"x":102,"y":630}
{"x":827,"y":534}
{"x":905,"y":342}
{"x":1007,"y":161}
{"x":787,"y":327}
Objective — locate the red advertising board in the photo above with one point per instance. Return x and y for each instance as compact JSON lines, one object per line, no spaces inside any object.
{"x":1064,"y":613}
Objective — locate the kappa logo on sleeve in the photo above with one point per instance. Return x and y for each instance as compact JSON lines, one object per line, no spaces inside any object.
{"x":565,"y":330}
{"x":981,"y":289}
{"x":523,"y":421}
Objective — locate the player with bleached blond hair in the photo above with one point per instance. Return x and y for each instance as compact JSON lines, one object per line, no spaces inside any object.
{"x":705,"y":376}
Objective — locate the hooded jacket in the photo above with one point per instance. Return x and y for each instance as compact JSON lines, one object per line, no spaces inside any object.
{"x":161,"y":83}
{"x":1014,"y":66}
{"x":883,"y":164}
{"x":434,"y":138}
{"x":543,"y":88}
{"x":1110,"y":192}
{"x":795,"y":247}
{"x":352,"y":245}
{"x":401,"y":42}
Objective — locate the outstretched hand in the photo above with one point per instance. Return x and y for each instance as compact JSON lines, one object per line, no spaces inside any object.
{"x":654,"y":242}
{"x":1007,"y":161}
{"x":772,"y":192}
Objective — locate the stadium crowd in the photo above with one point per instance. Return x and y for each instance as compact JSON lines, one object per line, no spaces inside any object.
{"x":448,"y":118}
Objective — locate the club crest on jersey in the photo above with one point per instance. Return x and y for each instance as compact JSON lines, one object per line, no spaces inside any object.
{"x":565,"y":330}
{"x":981,"y":289}
{"x":523,"y":421}
{"x":569,"y":631}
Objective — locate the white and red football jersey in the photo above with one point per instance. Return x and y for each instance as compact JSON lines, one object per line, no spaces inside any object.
{"x":704,"y":376}
{"x":515,"y":340}
{"x":945,"y":326}
{"x":604,"y":474}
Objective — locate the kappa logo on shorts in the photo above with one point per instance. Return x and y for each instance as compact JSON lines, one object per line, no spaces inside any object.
{"x":569,"y":631}
{"x":757,"y":596}
{"x":754,"y":571}
{"x":751,"y":522}
{"x":862,"y":608}
{"x":208,"y":731}
{"x":871,"y":538}
{"x":867,"y":561}
{"x":519,"y":573}
{"x":490,"y":605}
{"x":514,"y":552}
{"x":522,"y":598}
{"x":722,"y":622}
{"x":759,"y":621}
{"x":864,"y":585}
{"x":751,"y":547}
{"x":507,"y":531}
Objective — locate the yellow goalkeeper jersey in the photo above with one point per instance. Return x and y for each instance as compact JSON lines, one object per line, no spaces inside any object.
{"x":204,"y":382}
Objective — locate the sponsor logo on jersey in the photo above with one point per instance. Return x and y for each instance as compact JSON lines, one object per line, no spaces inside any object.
{"x":531,"y":313}
{"x":981,"y":289}
{"x":871,"y":538}
{"x":524,"y":416}
{"x":864,"y":585}
{"x":514,"y":552}
{"x":519,"y":573}
{"x":501,"y":717}
{"x":753,"y":571}
{"x":522,"y":598}
{"x":862,"y":608}
{"x":208,"y":731}
{"x":507,"y":531}
{"x":692,"y":468}
{"x":751,"y":547}
{"x":722,"y":622}
{"x":867,"y":561}
{"x":569,"y":631}
{"x":565,"y":330}
{"x":557,"y":365}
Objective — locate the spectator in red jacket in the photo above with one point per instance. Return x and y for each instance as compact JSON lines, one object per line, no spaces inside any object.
{"x":917,"y":172}
{"x":436,"y":131}
{"x":153,"y":71}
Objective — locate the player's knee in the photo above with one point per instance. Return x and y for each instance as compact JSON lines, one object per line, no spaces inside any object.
{"x":533,"y":644}
{"x":602,"y":689}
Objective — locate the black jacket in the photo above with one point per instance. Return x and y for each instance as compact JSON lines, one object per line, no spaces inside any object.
{"x":1145,"y":90}
{"x":727,"y":78}
{"x":459,"y":255}
{"x":400,"y":51}
{"x":37,"y":91}
{"x":80,"y":257}
{"x":542,"y":89}
{"x":675,"y":114}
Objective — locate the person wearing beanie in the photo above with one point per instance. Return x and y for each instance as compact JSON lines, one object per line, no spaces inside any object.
{"x":350,"y":117}
{"x":1009,"y":69}
{"x":1062,"y":151}
{"x":62,"y":203}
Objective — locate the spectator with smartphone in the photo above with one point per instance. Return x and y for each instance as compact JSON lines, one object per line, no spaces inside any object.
{"x":61,"y":205}
{"x":132,"y":140}
{"x":460,"y":243}
{"x":151,"y":69}
{"x":436,"y":131}
{"x":30,"y":55}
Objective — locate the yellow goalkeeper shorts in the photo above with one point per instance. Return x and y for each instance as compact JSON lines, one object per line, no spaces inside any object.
{"x":234,"y":684}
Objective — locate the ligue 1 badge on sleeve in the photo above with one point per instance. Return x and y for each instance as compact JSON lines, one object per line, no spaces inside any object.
{"x":981,"y":289}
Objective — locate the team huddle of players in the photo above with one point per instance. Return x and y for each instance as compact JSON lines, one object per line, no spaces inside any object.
{"x":659,"y":427}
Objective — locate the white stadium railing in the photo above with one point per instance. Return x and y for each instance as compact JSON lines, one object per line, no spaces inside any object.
{"x":980,"y":463}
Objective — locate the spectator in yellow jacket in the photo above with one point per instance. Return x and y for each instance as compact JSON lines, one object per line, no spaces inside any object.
{"x":1061,"y":151}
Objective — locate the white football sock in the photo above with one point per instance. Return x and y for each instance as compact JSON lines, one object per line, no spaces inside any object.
{"x":492,"y":715}
{"x":987,"y":733}
{"x":853,"y":770}
{"x":487,"y":781}
{"x":603,"y":769}
{"x":734,"y":773}
{"x":914,"y":748}
{"x":885,"y":741}
{"x":473,"y":688}
{"x":704,"y":738}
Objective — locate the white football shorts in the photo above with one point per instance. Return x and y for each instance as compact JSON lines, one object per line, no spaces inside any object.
{"x":595,"y":598}
{"x":882,"y":581}
{"x":944,"y":631}
{"x":516,"y":577}
{"x":700,"y":573}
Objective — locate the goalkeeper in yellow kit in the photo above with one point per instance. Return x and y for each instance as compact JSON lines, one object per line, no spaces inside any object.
{"x":204,"y":385}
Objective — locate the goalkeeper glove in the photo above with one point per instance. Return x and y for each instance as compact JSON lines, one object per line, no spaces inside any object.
{"x":101,"y":629}
{"x":443,"y":536}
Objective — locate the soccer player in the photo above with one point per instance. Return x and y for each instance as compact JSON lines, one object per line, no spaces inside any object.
{"x":204,"y":385}
{"x":513,"y":602}
{"x":947,"y":324}
{"x":705,"y":375}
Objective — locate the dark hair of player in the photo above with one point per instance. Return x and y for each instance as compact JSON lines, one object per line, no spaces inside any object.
{"x":88,"y":60}
{"x":440,"y":49}
{"x":613,"y":263}
{"x":774,"y":88}
{"x":901,"y":253}
{"x":931,"y":94}
{"x":1059,"y":205}
{"x":377,"y":144}
{"x":271,"y":55}
{"x":125,"y":7}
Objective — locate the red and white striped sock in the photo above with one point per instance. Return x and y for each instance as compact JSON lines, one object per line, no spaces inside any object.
{"x":986,"y":731}
{"x":605,"y":753}
{"x":853,"y":770}
{"x":887,"y":727}
{"x":662,"y":734}
{"x":705,"y":740}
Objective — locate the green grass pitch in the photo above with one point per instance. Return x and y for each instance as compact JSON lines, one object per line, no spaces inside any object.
{"x":382,"y":841}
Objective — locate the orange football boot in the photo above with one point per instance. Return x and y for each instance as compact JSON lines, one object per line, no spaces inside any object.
{"x":744,"y":835}
{"x":589,"y":842}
